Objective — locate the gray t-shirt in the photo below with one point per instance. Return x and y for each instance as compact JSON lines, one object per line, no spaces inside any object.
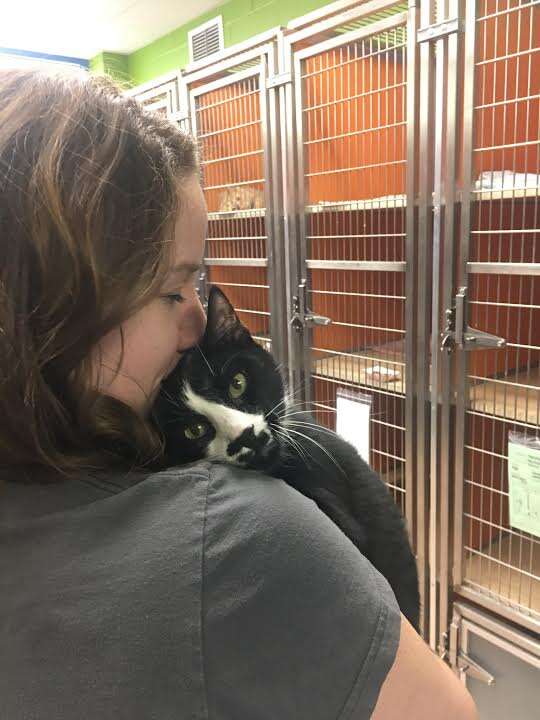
{"x":202,"y":592}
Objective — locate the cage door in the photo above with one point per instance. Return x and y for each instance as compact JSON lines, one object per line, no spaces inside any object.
{"x":496,"y":552}
{"x":230,"y":120}
{"x":354,"y":109}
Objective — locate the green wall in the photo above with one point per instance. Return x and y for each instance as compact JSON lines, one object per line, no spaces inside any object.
{"x":241,"y":20}
{"x":113,"y":64}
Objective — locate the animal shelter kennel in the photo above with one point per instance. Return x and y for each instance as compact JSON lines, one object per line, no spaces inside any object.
{"x":372,"y":176}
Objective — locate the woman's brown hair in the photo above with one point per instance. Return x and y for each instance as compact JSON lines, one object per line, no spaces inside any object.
{"x":89,"y":188}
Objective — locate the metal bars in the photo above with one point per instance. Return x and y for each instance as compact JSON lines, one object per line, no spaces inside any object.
{"x":353,"y":131}
{"x":228,"y":122}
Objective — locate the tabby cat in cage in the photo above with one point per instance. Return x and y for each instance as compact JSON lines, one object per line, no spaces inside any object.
{"x":240,"y":197}
{"x":225,"y":401}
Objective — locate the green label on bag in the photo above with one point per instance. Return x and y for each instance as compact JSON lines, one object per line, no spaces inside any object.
{"x":524,"y":486}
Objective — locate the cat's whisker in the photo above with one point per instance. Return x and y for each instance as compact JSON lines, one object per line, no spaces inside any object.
{"x":287,"y":397}
{"x":298,"y":447}
{"x":296,"y":412}
{"x":169,"y":397}
{"x":294,"y":444}
{"x":205,"y":359}
{"x":300,"y":425}
{"x":332,"y":458}
{"x":313,"y":425}
{"x":276,"y":406}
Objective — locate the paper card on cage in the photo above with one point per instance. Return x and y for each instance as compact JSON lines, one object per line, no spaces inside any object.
{"x":353,"y":411}
{"x":524,"y":482}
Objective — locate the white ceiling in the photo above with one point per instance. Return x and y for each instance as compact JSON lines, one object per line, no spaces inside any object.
{"x":83,"y":28}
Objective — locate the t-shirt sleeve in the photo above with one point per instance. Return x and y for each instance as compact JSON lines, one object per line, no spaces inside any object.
{"x":297,"y":624}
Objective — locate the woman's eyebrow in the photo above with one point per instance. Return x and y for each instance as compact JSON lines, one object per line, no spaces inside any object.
{"x":185,"y":269}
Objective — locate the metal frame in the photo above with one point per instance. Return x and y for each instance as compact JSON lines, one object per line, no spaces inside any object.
{"x":444,"y":203}
{"x":426,"y":122}
{"x":414,"y":482}
{"x":324,"y":19}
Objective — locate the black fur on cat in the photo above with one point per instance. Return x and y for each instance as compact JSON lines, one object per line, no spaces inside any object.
{"x":225,"y":401}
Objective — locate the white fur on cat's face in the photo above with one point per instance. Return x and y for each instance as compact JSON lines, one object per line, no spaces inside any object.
{"x":228,"y":423}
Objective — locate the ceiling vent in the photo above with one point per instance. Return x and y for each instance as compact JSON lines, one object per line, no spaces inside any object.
{"x":206,"y":40}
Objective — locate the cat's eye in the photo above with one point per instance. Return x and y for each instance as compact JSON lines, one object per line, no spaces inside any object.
{"x":238,"y":386}
{"x":196,"y":431}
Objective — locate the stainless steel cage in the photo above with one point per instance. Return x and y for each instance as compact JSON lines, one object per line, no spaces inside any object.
{"x":372,"y":174}
{"x":230,"y":115}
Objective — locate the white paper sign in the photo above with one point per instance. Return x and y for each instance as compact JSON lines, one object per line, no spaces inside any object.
{"x":353,"y":411}
{"x":524,"y":483}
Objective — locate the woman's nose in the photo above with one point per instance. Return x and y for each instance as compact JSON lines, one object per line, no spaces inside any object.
{"x":193,"y":324}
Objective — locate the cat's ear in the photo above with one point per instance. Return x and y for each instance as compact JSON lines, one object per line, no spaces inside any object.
{"x":222,"y":323}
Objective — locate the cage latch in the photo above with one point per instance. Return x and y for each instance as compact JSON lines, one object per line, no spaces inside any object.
{"x":302,"y":316}
{"x":472,"y":668}
{"x":457,"y":333}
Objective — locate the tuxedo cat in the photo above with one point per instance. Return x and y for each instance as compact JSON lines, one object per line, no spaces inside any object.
{"x":225,"y":401}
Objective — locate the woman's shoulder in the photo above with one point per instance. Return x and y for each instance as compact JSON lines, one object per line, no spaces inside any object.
{"x":288,"y":598}
{"x":261,"y":596}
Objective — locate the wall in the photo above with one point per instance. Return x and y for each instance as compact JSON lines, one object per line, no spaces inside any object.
{"x":113,"y":64}
{"x":241,"y":20}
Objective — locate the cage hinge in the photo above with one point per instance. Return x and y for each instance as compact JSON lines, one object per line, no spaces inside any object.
{"x":457,"y":333}
{"x":438,"y":30}
{"x":278,"y":80}
{"x":301,"y":316}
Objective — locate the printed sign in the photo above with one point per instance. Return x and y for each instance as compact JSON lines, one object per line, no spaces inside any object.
{"x":524,"y":482}
{"x":353,"y":411}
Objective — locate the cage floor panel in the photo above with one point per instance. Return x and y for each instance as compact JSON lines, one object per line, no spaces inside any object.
{"x":496,"y":571}
{"x":514,"y":397}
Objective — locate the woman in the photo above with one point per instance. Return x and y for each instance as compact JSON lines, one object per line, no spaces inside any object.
{"x":200,"y":591}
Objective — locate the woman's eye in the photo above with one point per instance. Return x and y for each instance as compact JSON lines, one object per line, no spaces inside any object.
{"x":196,"y":431}
{"x":238,"y":386}
{"x":175,"y":298}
